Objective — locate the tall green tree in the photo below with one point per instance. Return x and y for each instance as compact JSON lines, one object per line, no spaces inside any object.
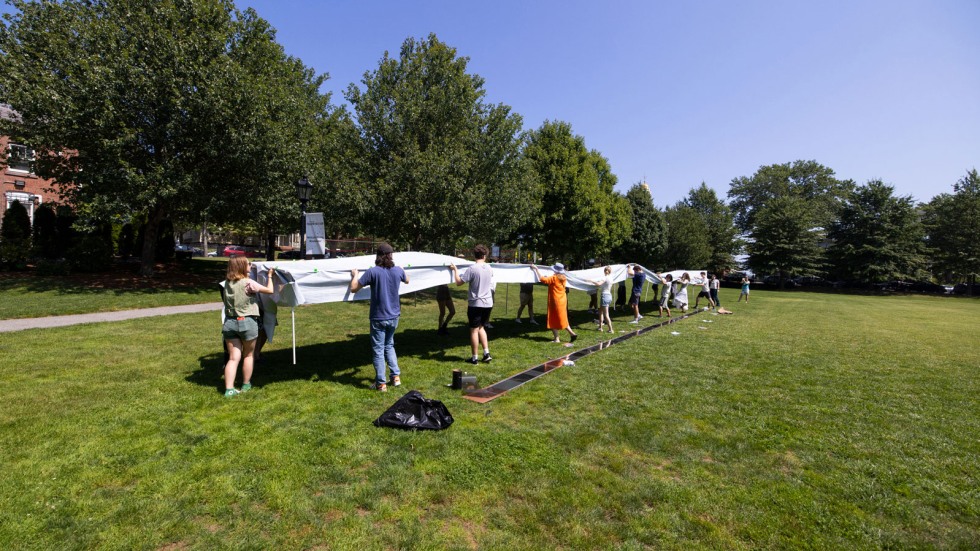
{"x":687,"y":239}
{"x":785,"y":241}
{"x":581,"y":215}
{"x":15,"y":236}
{"x":952,"y":224}
{"x":437,"y":163}
{"x":647,"y":243}
{"x":290,"y":127}
{"x":167,"y":108}
{"x":340,"y":158}
{"x":799,"y":186}
{"x":808,"y":180}
{"x":877,"y":237}
{"x":723,"y":239}
{"x":45,"y":232}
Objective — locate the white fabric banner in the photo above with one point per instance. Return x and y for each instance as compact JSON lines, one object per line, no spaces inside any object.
{"x":328,"y":280}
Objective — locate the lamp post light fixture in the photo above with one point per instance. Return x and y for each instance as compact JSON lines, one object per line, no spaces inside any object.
{"x":303,"y":191}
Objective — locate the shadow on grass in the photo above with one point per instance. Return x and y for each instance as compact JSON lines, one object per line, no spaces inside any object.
{"x":340,"y":362}
{"x":196,"y":277}
{"x":348,"y":362}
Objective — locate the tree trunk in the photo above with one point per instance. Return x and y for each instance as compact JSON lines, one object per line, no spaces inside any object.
{"x":148,"y":259}
{"x":270,"y":249}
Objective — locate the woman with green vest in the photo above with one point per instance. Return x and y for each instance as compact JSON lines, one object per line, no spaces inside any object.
{"x":241,"y":327}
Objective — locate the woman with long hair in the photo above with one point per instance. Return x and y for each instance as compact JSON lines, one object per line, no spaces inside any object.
{"x":680,"y":291}
{"x":384,"y":279}
{"x":241,"y":327}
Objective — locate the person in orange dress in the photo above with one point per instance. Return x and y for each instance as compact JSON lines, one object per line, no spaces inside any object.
{"x":557,"y":301}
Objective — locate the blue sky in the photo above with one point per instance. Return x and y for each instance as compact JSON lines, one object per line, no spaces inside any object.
{"x":681,"y":93}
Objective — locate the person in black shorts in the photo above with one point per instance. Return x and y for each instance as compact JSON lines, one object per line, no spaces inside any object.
{"x":527,"y":299}
{"x":479,"y":300}
{"x":445,"y":302}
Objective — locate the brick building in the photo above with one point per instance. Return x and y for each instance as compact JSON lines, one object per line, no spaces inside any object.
{"x":17,"y":181}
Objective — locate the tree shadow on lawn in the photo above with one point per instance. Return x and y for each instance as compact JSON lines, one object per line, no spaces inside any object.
{"x":348,"y":362}
{"x":123,"y":278}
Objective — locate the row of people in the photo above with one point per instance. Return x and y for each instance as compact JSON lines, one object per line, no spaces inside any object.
{"x":385,"y":278}
{"x":242,"y":325}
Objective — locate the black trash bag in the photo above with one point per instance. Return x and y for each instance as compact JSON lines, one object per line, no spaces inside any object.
{"x":416,"y":412}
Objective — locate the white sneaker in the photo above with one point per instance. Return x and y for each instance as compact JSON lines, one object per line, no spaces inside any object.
{"x":518,"y":320}
{"x":634,"y":322}
{"x":533,"y":322}
{"x":639,"y":317}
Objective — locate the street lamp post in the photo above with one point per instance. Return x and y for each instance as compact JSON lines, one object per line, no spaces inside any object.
{"x":303,"y":191}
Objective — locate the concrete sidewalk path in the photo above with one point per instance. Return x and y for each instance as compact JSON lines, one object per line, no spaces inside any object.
{"x":61,"y":321}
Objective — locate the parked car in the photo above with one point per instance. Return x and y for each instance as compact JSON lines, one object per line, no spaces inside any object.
{"x":183,"y":251}
{"x":289,"y":255}
{"x":734,"y":277}
{"x":927,"y":287}
{"x":772,"y":280}
{"x":183,"y":248}
{"x":239,"y":250}
{"x":963,"y":289}
{"x":810,"y":281}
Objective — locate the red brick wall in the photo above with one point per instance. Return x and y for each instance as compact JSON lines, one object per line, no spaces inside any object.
{"x":18,"y":182}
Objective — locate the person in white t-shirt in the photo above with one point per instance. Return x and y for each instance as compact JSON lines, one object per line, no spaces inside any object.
{"x":715,"y":286}
{"x":705,"y":292}
{"x":479,"y":300}
{"x":604,"y":288}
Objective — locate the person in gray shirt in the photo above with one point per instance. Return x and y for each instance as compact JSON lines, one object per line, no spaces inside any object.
{"x":479,"y":300}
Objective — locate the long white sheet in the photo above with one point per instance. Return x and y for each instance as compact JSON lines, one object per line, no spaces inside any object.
{"x":317,"y":281}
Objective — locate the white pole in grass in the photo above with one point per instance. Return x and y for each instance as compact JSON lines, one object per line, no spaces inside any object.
{"x":293,"y":310}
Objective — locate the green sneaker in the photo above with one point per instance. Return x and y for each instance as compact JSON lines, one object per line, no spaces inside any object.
{"x":246,"y":387}
{"x":231,"y":392}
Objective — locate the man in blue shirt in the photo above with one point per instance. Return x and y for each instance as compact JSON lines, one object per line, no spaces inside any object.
{"x":384,"y":279}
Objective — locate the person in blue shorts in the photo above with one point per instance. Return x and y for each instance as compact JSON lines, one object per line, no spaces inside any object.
{"x":745,"y":290}
{"x":639,"y":278}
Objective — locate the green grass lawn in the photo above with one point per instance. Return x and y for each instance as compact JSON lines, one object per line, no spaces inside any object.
{"x":805,"y":420}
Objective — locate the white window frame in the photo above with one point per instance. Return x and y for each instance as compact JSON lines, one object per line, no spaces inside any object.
{"x":29,"y":200}
{"x":25,"y":156}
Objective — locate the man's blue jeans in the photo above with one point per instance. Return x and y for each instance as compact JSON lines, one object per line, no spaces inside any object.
{"x":383,"y":347}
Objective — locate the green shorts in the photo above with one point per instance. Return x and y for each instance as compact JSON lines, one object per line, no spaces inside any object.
{"x":244,"y":329}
